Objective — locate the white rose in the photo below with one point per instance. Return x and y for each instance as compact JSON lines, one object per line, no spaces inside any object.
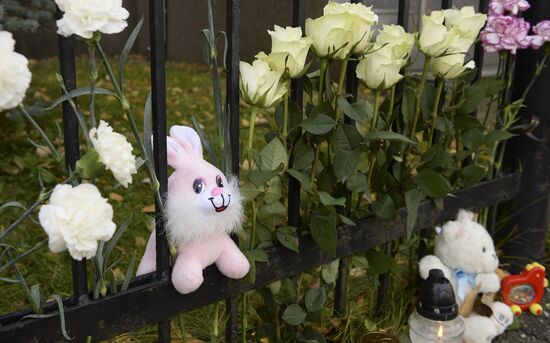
{"x":331,"y":35}
{"x":84,"y":17}
{"x":260,"y":84}
{"x":76,"y":218}
{"x":289,"y":42}
{"x":435,"y":37}
{"x":466,"y":21}
{"x":451,"y":66}
{"x":115,"y":152}
{"x":379,"y":71}
{"x":396,"y":40}
{"x":361,"y":18}
{"x":15,"y":76}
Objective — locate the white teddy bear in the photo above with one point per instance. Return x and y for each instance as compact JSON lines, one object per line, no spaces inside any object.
{"x":465,"y":252}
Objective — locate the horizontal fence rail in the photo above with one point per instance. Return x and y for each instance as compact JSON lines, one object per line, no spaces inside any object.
{"x":148,"y":302}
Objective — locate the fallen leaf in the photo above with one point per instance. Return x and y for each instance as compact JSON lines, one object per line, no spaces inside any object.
{"x":115,"y":197}
{"x":148,"y":209}
{"x":118,"y":274}
{"x":140,"y":241}
{"x":42,"y":151}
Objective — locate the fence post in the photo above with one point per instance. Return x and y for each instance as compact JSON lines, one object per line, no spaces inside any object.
{"x":531,"y":209}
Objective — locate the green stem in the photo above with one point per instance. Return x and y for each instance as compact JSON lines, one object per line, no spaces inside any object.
{"x":439,"y":90}
{"x":128,"y":111}
{"x":390,"y":110}
{"x":420,"y":89}
{"x":311,"y":178}
{"x":540,"y":68}
{"x":375,"y":110}
{"x":322,"y":72}
{"x":55,"y":153}
{"x":278,"y":335}
{"x":78,"y":115}
{"x":374,"y":124}
{"x":92,"y":76}
{"x":253,"y":114}
{"x":215,"y":327}
{"x":253,"y":232}
{"x":244,"y":316}
{"x":340,"y":87}
{"x":285,"y":121}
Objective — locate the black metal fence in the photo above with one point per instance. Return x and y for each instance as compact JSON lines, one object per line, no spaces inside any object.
{"x":152,"y":299}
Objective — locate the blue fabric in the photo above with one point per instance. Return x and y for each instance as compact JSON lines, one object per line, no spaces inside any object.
{"x":463,"y":279}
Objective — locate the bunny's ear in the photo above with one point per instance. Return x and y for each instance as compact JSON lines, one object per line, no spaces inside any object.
{"x":176,"y":154}
{"x":187,"y":138}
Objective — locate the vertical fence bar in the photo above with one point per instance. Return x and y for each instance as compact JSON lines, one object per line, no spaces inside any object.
{"x":479,"y":54}
{"x":297,"y":95}
{"x":340,"y":291}
{"x":384,"y":279}
{"x":71,"y":145}
{"x":529,"y":224}
{"x":157,"y":38}
{"x":233,"y":12}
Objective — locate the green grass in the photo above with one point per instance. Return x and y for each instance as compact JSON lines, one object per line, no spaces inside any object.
{"x":188,"y":92}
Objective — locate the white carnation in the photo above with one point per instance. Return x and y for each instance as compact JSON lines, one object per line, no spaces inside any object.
{"x":84,"y":17}
{"x":15,"y":76}
{"x":76,"y":218}
{"x":115,"y":152}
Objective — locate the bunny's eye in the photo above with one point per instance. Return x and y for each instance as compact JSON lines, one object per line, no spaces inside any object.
{"x":484,"y":249}
{"x":198,"y":185}
{"x":219,"y":181}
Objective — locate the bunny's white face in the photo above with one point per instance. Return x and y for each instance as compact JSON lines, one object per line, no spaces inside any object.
{"x":201,"y":201}
{"x":212,"y":193}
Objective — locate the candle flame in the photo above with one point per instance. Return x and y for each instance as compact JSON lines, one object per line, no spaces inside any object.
{"x":440,"y":332}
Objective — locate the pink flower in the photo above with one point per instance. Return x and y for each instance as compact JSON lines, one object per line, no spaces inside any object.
{"x":542,"y":29}
{"x":505,"y":33}
{"x":513,"y":7}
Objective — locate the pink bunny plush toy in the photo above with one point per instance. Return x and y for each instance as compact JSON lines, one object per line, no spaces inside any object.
{"x":202,"y":209}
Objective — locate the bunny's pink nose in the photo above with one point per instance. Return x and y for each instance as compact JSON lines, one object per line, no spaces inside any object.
{"x":216,"y":191}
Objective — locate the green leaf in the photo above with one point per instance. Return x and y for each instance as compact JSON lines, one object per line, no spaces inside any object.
{"x":13,"y":204}
{"x":384,"y":208}
{"x":323,"y":231}
{"x":345,"y":220}
{"x":346,"y":137}
{"x":257,"y":255}
{"x":466,"y":122}
{"x":127,"y":47}
{"x":148,"y":129}
{"x":379,"y":263}
{"x":286,"y":235}
{"x":261,"y":177}
{"x":387,"y":136}
{"x":345,"y":163}
{"x":204,"y":139}
{"x":329,"y":272}
{"x":315,"y":299}
{"x":328,"y":200}
{"x":471,"y":174}
{"x":412,"y":200}
{"x":129,"y":273}
{"x":497,"y":136}
{"x":433,"y":184}
{"x":75,"y":93}
{"x":304,"y":155}
{"x":474,"y":97}
{"x":274,"y":209}
{"x":357,"y":183}
{"x":492,"y":85}
{"x":249,"y":191}
{"x":272,"y":155}
{"x":294,"y":315}
{"x":350,"y":111}
{"x":304,"y":181}
{"x":115,"y":238}
{"x":471,"y":139}
{"x":318,"y":124}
